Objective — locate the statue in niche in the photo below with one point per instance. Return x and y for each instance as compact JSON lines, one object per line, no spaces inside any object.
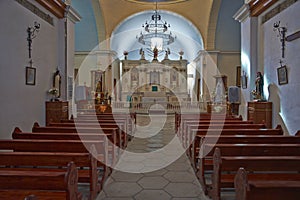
{"x":259,"y":84}
{"x":57,"y":83}
{"x":155,"y":53}
{"x":168,"y":52}
{"x":174,"y":75}
{"x":142,"y":53}
{"x":220,"y":92}
{"x":99,"y":87}
{"x":134,"y":74}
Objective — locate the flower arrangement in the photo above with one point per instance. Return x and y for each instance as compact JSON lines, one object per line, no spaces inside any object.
{"x":53,"y":92}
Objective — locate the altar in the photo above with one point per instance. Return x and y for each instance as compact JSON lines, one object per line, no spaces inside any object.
{"x":145,"y":83}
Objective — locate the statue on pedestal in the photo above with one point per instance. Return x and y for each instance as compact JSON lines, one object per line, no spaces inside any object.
{"x":259,"y":86}
{"x":155,"y":53}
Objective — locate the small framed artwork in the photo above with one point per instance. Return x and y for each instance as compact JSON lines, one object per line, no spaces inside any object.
{"x":282,"y":75}
{"x":238,"y":76}
{"x":30,"y":75}
{"x":244,"y":81}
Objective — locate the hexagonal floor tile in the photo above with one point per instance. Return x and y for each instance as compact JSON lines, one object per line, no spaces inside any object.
{"x":178,"y":167}
{"x":152,"y":194}
{"x":126,"y":166}
{"x":126,"y":177}
{"x":155,"y":182}
{"x":122,"y":189}
{"x":183,"y":190}
{"x":156,"y":173}
{"x":180,"y":176}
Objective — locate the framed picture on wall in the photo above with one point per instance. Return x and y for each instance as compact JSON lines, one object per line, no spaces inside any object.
{"x":282,"y":75}
{"x":30,"y":75}
{"x":244,"y":81}
{"x":238,"y":76}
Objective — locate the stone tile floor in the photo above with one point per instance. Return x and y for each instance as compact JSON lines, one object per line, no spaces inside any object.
{"x":153,"y":166}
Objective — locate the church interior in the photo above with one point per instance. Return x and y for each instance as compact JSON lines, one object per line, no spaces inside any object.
{"x":150,"y":99}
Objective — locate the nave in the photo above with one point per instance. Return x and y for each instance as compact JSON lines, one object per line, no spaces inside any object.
{"x":148,"y":176}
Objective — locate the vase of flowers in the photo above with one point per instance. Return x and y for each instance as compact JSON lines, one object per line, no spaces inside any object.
{"x":54,"y":93}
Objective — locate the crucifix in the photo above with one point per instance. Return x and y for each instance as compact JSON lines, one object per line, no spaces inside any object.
{"x":31,"y":34}
{"x":282,"y":35}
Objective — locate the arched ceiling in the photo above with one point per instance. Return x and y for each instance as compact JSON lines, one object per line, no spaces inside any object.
{"x":188,"y":39}
{"x":198,"y":12}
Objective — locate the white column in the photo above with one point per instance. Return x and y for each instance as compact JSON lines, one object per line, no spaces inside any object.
{"x":249,"y":48}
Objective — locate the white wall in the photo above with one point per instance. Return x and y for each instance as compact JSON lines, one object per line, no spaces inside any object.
{"x":248,"y":60}
{"x":227,"y":63}
{"x":22,"y":105}
{"x":285,"y":98}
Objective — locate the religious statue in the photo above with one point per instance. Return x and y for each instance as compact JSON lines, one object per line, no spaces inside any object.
{"x":142,"y":53}
{"x":57,"y":82}
{"x":259,"y":84}
{"x":99,"y":86}
{"x":155,"y":53}
{"x":168,"y":52}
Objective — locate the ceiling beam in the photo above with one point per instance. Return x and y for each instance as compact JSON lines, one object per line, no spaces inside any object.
{"x":259,"y":6}
{"x":56,"y":7}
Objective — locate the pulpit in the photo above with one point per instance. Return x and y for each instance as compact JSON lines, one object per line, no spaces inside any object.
{"x":260,"y":112}
{"x":56,"y":111}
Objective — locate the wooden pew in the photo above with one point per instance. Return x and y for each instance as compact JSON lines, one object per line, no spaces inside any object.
{"x":109,"y":129}
{"x":127,"y":123}
{"x":186,"y":134}
{"x":254,"y":164}
{"x":200,"y":122}
{"x":31,"y":197}
{"x":200,"y":141}
{"x":206,"y":163}
{"x":266,"y":186}
{"x":188,"y":125}
{"x":188,"y":139}
{"x":130,"y":118}
{"x":179,"y":118}
{"x":112,"y":141}
{"x":61,"y":146}
{"x":15,"y":185}
{"x":121,"y":128}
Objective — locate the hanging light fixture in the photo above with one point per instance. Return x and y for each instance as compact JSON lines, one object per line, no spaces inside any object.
{"x":156,"y":32}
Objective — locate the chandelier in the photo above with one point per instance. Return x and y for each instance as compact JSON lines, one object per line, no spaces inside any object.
{"x":155,"y":32}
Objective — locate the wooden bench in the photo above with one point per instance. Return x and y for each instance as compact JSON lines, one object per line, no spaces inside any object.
{"x":111,"y":139}
{"x":109,"y":129}
{"x":206,"y":154}
{"x":187,"y":126}
{"x":121,"y":123}
{"x":121,"y":128}
{"x":16,"y":185}
{"x":266,"y":186}
{"x":186,"y":134}
{"x":187,"y":140}
{"x":254,"y":164}
{"x":130,"y":118}
{"x":199,"y":142}
{"x":62,"y":146}
{"x":199,"y":122}
{"x":179,"y":118}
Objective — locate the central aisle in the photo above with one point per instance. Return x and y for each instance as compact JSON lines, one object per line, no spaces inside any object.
{"x":153,"y":167}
